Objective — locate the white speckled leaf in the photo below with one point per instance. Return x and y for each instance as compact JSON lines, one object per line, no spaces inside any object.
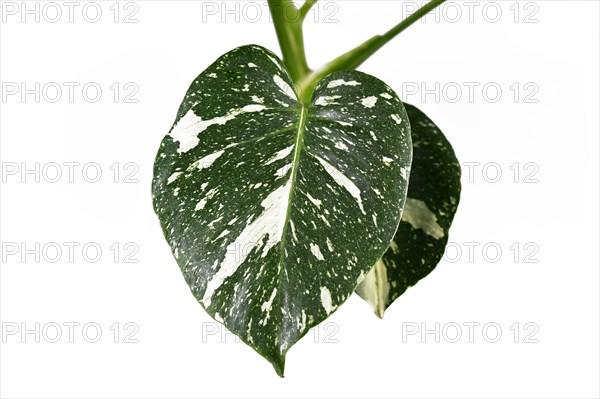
{"x":432,"y":200}
{"x":275,"y":210}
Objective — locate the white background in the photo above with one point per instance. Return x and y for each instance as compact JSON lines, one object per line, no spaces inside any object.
{"x":355,"y":355}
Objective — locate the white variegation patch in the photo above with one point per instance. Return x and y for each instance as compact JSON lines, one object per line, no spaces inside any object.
{"x":281,"y":172}
{"x":302,"y":321}
{"x":369,"y":102}
{"x":326,"y":300}
{"x":293,"y":230}
{"x":286,"y":105}
{"x":285,"y":88}
{"x":375,"y":288}
{"x":267,"y":306}
{"x":343,"y":181}
{"x":223,"y":234}
{"x":315,"y":201}
{"x":341,"y":146}
{"x":419,"y":216}
{"x":342,"y":82}
{"x":405,"y":172}
{"x":281,"y":154}
{"x":316,"y":251}
{"x":330,"y":245}
{"x":394,"y":247}
{"x":326,"y":100}
{"x":188,"y":128}
{"x":207,"y":161}
{"x":173,"y":177}
{"x":396,"y":118}
{"x":201,"y":204}
{"x":251,"y":108}
{"x":269,"y":223}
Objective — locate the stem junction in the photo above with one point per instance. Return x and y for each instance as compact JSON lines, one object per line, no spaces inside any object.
{"x":288,"y":20}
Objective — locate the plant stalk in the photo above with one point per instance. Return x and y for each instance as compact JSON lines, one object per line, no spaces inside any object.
{"x":288,"y":27}
{"x":355,"y":57}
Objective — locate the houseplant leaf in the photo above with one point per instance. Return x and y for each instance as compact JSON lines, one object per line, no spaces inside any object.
{"x":432,"y":200}
{"x":275,"y":210}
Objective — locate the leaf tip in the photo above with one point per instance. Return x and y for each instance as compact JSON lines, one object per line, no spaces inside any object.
{"x":279,"y":365}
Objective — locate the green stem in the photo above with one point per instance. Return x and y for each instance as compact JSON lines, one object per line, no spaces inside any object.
{"x":288,"y":26}
{"x":355,"y":57}
{"x":305,"y":8}
{"x":408,"y":21}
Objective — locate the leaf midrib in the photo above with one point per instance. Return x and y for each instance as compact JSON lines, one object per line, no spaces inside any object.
{"x":298,"y":146}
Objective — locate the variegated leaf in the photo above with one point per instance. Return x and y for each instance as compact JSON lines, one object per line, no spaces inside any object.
{"x":432,"y":200}
{"x":275,"y":210}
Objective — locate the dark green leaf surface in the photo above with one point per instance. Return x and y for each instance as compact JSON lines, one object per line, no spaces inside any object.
{"x":432,"y":200}
{"x":273,"y":210}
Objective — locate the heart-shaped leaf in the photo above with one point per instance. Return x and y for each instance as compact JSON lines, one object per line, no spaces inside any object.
{"x":273,"y":209}
{"x":432,"y":200}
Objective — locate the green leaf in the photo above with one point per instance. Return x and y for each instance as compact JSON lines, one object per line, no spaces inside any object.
{"x":275,"y":210}
{"x":432,"y":200}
